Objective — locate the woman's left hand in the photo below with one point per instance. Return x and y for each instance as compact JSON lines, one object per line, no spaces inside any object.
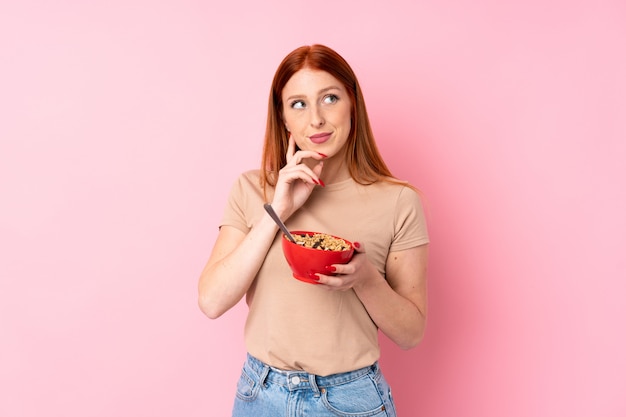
{"x":357,"y":272}
{"x":396,"y":302}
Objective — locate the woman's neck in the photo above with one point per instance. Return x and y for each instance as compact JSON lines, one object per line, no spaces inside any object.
{"x":335,"y":170}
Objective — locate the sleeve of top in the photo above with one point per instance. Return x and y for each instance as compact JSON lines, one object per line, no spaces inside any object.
{"x":236,"y":207}
{"x":410,"y":222}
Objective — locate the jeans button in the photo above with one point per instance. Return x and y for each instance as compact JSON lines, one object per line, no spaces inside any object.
{"x":295,"y":380}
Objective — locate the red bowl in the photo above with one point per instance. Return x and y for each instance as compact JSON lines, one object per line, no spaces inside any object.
{"x":306,"y":262}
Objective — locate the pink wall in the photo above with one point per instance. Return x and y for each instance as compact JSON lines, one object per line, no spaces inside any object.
{"x":124,"y":123}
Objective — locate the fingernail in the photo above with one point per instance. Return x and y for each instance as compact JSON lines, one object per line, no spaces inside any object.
{"x":322,"y":183}
{"x":322,"y":155}
{"x":357,"y":245}
{"x":315,"y":181}
{"x":330,"y":268}
{"x":314,"y":277}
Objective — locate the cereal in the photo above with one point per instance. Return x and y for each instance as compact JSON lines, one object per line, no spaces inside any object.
{"x":321,"y":241}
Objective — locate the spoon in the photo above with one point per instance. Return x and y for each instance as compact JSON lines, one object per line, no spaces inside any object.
{"x":279,"y":222}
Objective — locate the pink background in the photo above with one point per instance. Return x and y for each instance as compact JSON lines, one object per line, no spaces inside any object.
{"x":124,"y":123}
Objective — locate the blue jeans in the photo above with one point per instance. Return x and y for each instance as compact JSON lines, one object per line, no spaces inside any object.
{"x":264,"y":391}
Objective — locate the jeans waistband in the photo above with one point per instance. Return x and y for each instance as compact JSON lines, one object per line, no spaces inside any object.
{"x":294,"y":380}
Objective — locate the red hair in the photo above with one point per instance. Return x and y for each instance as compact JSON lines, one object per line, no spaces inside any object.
{"x":364,"y":161}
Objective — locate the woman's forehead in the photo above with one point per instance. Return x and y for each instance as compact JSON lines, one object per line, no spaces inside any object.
{"x":309,"y":81}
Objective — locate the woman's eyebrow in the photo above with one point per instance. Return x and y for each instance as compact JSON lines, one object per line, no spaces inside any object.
{"x":332,"y":87}
{"x":322,"y":91}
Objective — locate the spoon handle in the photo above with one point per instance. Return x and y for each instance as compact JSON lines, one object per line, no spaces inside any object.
{"x":279,"y":222}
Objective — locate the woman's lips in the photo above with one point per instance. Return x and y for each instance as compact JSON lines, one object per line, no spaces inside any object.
{"x":319,"y":137}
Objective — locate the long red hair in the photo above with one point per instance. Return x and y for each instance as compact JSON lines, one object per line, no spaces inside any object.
{"x":364,"y":161}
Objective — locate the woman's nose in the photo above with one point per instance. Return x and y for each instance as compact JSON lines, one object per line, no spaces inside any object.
{"x":317,"y":119}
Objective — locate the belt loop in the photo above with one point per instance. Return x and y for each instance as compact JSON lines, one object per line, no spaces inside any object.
{"x":263,"y":377}
{"x":375,"y":370}
{"x":314,"y":387}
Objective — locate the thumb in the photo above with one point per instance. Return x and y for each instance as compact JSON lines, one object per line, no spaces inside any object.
{"x":358,"y":247}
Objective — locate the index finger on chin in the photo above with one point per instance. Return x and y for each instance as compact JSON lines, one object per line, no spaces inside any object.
{"x":291,"y":147}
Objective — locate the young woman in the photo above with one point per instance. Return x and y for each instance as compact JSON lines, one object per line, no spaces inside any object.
{"x":313,"y":349}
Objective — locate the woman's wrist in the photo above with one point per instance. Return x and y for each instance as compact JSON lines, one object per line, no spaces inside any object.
{"x":371,"y":279}
{"x":280,"y":211}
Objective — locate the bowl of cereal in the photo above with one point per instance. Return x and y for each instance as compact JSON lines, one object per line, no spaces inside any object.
{"x":313,"y":252}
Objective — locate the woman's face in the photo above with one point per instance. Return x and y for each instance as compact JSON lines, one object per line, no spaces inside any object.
{"x":316,"y":111}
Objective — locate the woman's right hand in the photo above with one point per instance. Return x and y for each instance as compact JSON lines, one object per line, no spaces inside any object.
{"x":296,"y":180}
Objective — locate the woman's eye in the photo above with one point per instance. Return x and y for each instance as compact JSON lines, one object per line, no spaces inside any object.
{"x":330,"y":99}
{"x":297,"y":105}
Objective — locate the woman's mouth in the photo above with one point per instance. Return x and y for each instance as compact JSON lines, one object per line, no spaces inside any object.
{"x":320,"y":137}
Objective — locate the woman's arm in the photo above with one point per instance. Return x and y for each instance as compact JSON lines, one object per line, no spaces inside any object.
{"x":232,"y":266}
{"x":399,"y":304}
{"x":237,"y":257}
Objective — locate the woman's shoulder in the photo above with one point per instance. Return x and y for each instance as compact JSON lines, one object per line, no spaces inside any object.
{"x":252,"y":176}
{"x":397,"y":192}
{"x":247,"y":182}
{"x":394,"y":185}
